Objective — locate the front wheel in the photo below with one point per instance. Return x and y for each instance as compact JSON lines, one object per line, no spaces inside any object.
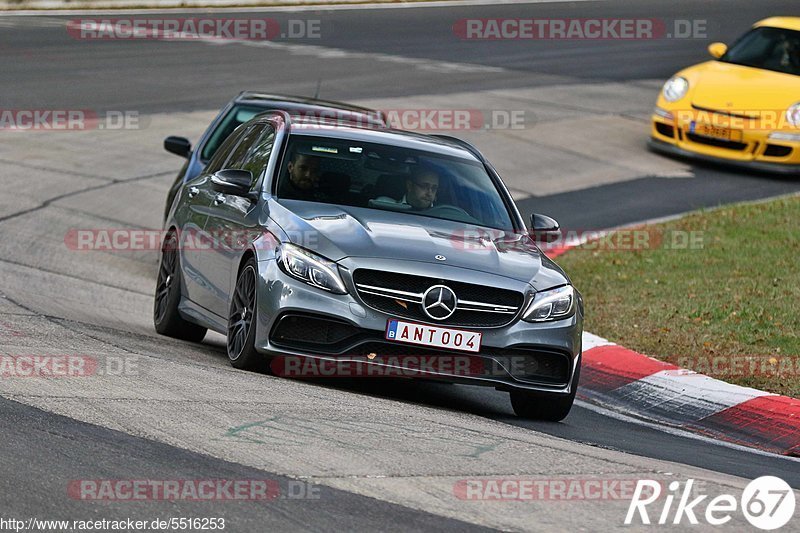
{"x":549,"y":408}
{"x":242,"y":320}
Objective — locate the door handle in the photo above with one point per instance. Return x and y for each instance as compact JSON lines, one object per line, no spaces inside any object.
{"x":219,"y":199}
{"x":193,"y":191}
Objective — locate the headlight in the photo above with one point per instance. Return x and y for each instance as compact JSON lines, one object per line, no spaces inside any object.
{"x":310,"y":268}
{"x":675,"y":89}
{"x":553,"y":304}
{"x":793,"y":115}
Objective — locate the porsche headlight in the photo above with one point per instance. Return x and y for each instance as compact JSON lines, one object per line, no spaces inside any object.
{"x":793,"y":115}
{"x":675,"y":89}
{"x":310,"y":268}
{"x":553,"y":304}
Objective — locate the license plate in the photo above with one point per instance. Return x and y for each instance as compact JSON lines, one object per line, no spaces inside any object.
{"x":718,"y":132}
{"x":432,"y":336}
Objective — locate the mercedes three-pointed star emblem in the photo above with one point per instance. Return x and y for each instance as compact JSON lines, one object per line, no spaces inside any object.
{"x":439,"y":302}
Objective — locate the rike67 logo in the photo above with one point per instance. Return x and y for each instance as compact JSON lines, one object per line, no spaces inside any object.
{"x":767,"y":503}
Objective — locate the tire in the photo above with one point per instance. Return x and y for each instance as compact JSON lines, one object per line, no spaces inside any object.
{"x":549,"y":408}
{"x":166,"y":318}
{"x":242,"y":319}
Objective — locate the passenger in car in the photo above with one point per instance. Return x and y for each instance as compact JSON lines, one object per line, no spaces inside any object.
{"x":790,"y":54}
{"x":421,"y":189}
{"x":303,"y":179}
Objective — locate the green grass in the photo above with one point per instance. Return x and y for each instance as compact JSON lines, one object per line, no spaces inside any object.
{"x":708,"y":307}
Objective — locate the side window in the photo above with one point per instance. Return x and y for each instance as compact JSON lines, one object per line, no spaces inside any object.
{"x":224,"y":151}
{"x":235,"y":117}
{"x":239,"y":155}
{"x":258,"y":158}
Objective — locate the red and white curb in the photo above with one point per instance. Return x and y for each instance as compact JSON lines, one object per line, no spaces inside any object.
{"x":621,"y":379}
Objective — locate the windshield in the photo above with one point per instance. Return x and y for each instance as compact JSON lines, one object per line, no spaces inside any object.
{"x":391,"y":178}
{"x":768,"y":48}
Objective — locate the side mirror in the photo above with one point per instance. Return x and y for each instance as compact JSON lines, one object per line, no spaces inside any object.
{"x":717,"y":50}
{"x":233,"y":181}
{"x":178,"y":146}
{"x":544,"y":229}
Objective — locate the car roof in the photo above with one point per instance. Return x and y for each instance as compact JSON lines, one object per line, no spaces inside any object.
{"x":787,"y":23}
{"x":271,"y":100}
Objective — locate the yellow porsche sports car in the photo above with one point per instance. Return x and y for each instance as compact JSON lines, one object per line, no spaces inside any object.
{"x":743,"y":107}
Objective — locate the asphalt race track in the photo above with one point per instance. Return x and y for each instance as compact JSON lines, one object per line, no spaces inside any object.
{"x":381,"y":455}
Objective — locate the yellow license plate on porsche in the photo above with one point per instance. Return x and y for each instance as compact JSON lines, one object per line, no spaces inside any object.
{"x":717,"y":132}
{"x":433,"y":336}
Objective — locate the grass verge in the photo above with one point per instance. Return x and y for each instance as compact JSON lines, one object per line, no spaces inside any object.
{"x":717,"y":291}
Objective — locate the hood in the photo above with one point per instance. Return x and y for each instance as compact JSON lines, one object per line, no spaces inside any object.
{"x":337,"y":232}
{"x":724,"y":86}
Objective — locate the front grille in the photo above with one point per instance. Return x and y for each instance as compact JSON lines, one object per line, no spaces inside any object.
{"x":665,"y":129}
{"x":401,"y":295}
{"x":776,"y":150}
{"x":525,"y":364}
{"x":719,"y":143}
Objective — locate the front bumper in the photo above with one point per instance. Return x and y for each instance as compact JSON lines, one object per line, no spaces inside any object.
{"x":536,"y":357}
{"x":753,"y":151}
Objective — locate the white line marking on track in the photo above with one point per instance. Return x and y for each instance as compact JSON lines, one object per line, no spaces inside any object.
{"x":337,"y":53}
{"x":178,"y":8}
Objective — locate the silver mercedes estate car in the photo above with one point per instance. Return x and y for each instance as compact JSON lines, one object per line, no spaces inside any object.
{"x":337,"y":248}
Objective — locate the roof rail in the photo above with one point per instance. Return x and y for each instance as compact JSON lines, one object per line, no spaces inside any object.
{"x":304,"y":100}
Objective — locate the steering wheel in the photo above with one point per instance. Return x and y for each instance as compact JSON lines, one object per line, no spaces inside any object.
{"x":450,"y":211}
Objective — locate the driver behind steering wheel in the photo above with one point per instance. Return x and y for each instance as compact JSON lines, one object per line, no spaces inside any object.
{"x":421,"y":188}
